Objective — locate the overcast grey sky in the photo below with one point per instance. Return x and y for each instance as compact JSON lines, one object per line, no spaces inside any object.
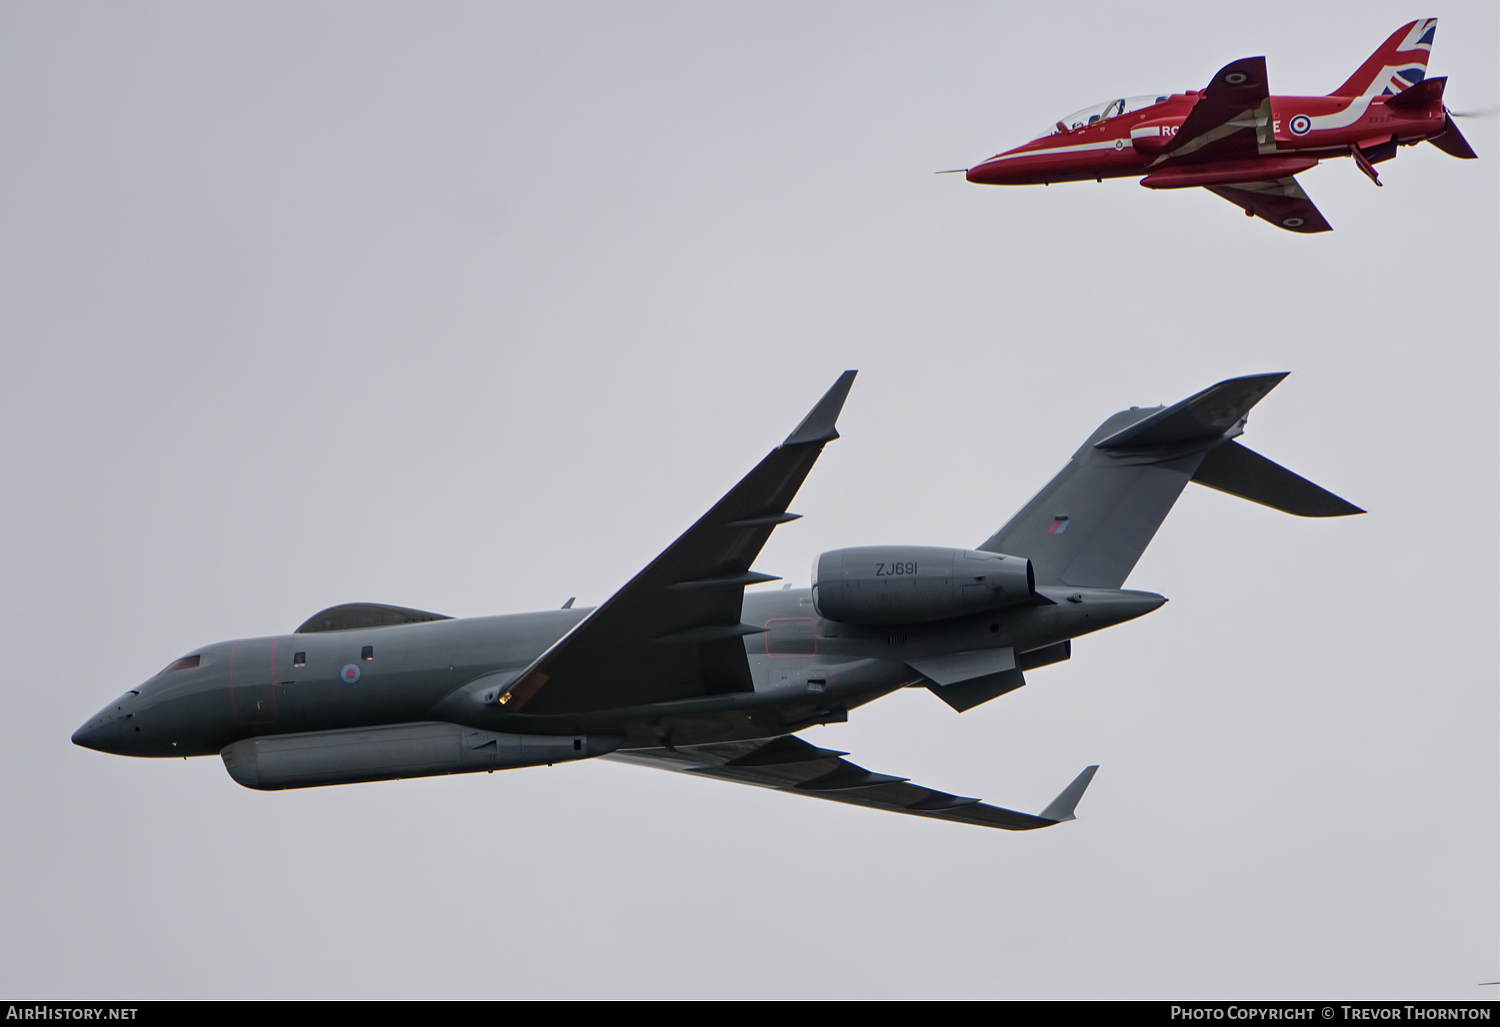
{"x":475,"y":307}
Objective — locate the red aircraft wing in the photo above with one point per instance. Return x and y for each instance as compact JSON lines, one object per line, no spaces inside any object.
{"x":1230,"y":121}
{"x":1281,"y":202}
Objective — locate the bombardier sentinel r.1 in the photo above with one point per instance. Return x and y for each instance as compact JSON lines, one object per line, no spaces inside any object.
{"x":682,"y":670}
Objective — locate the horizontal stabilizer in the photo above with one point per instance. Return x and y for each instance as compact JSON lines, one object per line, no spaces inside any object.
{"x":1208,"y":415}
{"x":1424,"y":93}
{"x":1061,"y":808}
{"x":1452,"y":142}
{"x":1242,"y":472}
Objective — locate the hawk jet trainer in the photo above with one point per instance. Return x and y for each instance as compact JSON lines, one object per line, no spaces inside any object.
{"x":682,"y":670}
{"x":1238,"y":141}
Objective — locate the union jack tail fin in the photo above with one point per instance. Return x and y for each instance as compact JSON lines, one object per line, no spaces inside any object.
{"x":1400,"y":63}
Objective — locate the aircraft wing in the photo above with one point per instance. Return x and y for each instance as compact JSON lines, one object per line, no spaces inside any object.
{"x":1230,"y":121}
{"x":674,"y":632}
{"x":788,"y":764}
{"x":1281,"y":201}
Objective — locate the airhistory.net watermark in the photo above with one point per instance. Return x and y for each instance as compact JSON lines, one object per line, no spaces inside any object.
{"x":42,"y":1011}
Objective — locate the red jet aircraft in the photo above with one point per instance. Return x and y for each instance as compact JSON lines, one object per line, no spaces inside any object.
{"x":1238,"y":141}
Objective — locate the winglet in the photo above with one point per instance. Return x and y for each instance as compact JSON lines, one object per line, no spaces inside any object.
{"x":818,"y":425}
{"x":1061,"y":808}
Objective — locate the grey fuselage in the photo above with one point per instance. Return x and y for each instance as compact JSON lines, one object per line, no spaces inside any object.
{"x":805,"y":669}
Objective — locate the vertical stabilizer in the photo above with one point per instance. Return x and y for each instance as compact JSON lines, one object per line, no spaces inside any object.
{"x":1089,"y":526}
{"x":1092,"y":522}
{"x":1399,"y":64}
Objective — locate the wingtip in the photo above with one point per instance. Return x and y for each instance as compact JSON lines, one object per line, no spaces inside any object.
{"x":1061,"y":808}
{"x":820,"y":424}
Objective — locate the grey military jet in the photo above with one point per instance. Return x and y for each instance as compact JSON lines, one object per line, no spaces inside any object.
{"x":682,"y":670}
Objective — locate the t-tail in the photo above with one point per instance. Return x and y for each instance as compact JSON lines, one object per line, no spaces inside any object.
{"x":1089,"y":526}
{"x":1399,"y":64}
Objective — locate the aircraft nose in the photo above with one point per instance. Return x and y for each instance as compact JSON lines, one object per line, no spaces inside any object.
{"x":990,"y":173}
{"x":106,"y":730}
{"x":96,"y":734}
{"x":87,"y":736}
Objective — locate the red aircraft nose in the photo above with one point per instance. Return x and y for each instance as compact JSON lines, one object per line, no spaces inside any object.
{"x":1013,"y":167}
{"x":989,"y":173}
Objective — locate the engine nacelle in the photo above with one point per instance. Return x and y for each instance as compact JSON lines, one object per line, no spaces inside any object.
{"x":881,"y":585}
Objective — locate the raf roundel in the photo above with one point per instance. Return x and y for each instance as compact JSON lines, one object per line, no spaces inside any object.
{"x":1300,"y":125}
{"x":350,"y":674}
{"x":1236,"y":78}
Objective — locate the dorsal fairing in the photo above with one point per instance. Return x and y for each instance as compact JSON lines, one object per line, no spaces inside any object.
{"x":348,"y":616}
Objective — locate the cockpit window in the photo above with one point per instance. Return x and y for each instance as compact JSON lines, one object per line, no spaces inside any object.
{"x":186,"y":663}
{"x":1104,"y":111}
